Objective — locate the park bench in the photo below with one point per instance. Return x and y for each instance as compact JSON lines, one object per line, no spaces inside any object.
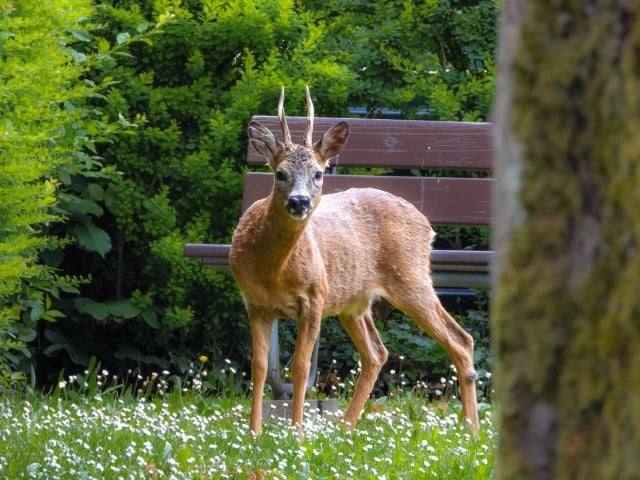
{"x":403,"y":146}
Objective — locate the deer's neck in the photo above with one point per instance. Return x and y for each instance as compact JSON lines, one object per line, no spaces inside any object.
{"x":280,"y":233}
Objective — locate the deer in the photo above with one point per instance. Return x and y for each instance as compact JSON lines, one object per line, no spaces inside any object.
{"x":301,"y":255}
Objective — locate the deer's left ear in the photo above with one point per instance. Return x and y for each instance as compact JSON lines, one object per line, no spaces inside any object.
{"x":332,"y":142}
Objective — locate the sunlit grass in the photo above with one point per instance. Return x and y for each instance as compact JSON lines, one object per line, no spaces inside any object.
{"x":98,"y":432}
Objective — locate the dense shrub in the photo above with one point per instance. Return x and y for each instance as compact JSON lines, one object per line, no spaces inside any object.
{"x":52,"y":178}
{"x":182,"y":97}
{"x":430,"y":59}
{"x":192,"y":91}
{"x":43,"y":144}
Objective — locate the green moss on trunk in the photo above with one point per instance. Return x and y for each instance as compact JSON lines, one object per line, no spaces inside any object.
{"x":566,"y":313}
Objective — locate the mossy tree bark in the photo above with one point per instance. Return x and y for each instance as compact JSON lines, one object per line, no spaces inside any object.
{"x":566,"y":309}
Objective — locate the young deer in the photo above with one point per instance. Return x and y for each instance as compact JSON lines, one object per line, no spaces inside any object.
{"x":300,"y":255}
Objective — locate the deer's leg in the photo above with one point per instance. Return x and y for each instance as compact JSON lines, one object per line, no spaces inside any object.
{"x":425,"y":308}
{"x":459,"y":345}
{"x":307,"y":336}
{"x":261,"y":335}
{"x":373,"y":355}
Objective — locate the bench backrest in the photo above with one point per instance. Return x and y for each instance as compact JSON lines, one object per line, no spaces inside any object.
{"x":402,"y":144}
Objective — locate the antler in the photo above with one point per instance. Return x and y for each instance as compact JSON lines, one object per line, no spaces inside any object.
{"x":308,"y":131}
{"x":283,"y":120}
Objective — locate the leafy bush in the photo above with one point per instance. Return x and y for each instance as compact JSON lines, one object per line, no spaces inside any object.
{"x":53,"y":179}
{"x":190,"y":92}
{"x":40,"y":145}
{"x":430,"y":59}
{"x":160,"y":150}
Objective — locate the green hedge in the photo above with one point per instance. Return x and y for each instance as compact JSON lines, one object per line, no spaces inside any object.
{"x":179,"y":82}
{"x":43,"y":142}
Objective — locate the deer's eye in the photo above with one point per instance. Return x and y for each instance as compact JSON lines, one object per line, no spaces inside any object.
{"x":318,"y":176}
{"x":281,"y":177}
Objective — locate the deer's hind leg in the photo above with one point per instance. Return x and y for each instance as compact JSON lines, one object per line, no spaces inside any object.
{"x":423,"y":305}
{"x":373,"y":355}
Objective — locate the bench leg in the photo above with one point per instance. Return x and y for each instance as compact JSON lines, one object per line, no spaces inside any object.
{"x":281,"y":390}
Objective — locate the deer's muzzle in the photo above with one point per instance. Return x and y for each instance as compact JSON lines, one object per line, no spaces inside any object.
{"x":299,"y":206}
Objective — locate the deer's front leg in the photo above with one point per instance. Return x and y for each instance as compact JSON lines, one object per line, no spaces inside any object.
{"x":308,"y":331}
{"x":261,"y":335}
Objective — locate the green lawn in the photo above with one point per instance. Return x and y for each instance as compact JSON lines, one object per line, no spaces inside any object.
{"x":95,"y":433}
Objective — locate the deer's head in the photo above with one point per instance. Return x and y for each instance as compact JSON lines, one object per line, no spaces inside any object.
{"x":298,"y":169}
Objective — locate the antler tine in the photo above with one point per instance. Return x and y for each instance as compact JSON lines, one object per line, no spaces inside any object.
{"x":308,"y":132}
{"x":283,"y":120}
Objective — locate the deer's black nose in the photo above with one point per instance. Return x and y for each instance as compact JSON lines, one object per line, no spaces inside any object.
{"x":298,"y":204}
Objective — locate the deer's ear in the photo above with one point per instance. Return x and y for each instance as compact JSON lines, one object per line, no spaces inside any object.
{"x":265,"y":142}
{"x":332,"y":142}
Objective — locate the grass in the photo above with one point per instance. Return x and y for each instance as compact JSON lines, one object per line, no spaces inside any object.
{"x":99,"y":432}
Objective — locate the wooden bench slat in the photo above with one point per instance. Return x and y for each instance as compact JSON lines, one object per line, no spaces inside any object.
{"x":206,"y":250}
{"x":466,"y":258}
{"x":444,"y":200}
{"x":450,"y":268}
{"x":213,"y":254}
{"x":399,"y":143}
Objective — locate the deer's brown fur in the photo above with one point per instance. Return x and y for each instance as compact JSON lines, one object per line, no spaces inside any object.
{"x":301,"y":255}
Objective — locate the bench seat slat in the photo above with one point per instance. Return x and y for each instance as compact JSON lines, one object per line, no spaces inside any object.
{"x":213,"y":254}
{"x":444,"y":200}
{"x":465,"y":258}
{"x":399,"y":143}
{"x":451,"y":268}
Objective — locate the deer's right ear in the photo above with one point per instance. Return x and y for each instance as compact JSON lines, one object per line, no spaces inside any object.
{"x":265,"y":142}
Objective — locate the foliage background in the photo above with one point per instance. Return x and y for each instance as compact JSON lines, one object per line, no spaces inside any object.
{"x":159,"y":96}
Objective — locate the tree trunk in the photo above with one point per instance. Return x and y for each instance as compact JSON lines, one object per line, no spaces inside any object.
{"x":566,"y":309}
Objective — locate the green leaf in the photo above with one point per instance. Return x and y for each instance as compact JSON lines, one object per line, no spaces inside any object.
{"x":96,"y":192}
{"x":54,"y":313}
{"x":122,"y":37}
{"x":151,"y":318}
{"x":67,"y":288}
{"x":80,"y":205}
{"x":92,"y":238}
{"x":57,"y":338}
{"x":125,"y":309}
{"x":53,"y":348}
{"x":82,"y":36}
{"x":97,"y":310}
{"x":103,"y":45}
{"x":36,"y":312}
{"x":79,"y":57}
{"x":123,"y":55}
